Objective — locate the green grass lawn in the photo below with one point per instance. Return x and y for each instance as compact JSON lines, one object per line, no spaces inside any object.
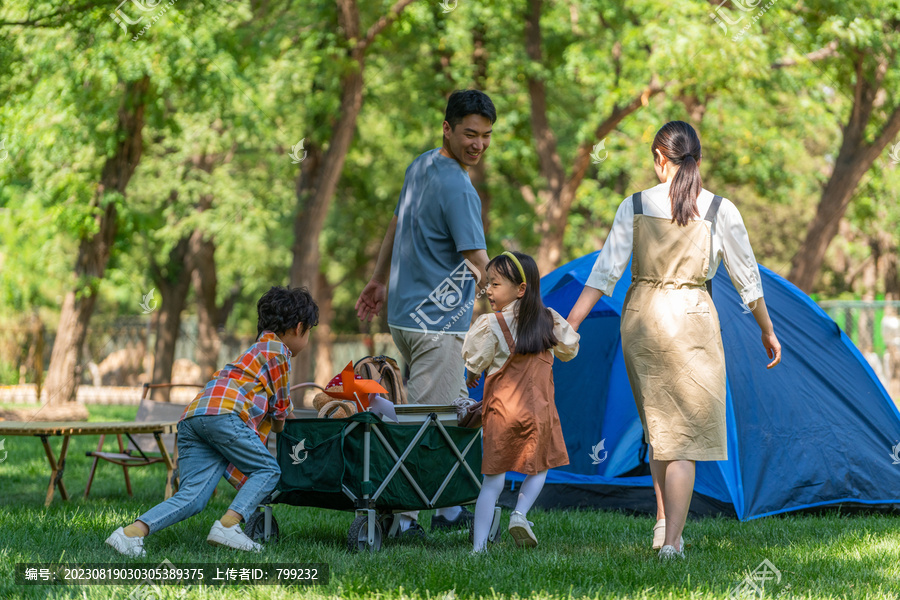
{"x":582,"y":554}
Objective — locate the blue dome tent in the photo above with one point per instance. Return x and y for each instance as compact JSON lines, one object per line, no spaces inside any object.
{"x":817,"y":430}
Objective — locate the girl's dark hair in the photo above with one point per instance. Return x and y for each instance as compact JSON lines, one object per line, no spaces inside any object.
{"x":535,"y":322}
{"x":678,"y":142}
{"x":463,"y":103}
{"x":282,"y":309}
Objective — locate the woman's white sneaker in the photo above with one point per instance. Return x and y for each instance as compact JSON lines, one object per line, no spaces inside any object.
{"x":231,"y":537}
{"x":129,"y":546}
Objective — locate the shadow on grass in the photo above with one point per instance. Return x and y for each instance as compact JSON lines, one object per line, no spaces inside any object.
{"x":581,"y":553}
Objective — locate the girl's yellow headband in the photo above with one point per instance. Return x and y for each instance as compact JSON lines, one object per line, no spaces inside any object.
{"x":518,"y":264}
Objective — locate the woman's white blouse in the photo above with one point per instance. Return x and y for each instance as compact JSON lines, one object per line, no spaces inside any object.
{"x":730,"y":243}
{"x":485,"y":347}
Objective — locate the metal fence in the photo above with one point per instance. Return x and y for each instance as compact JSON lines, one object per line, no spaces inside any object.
{"x":874,"y":327}
{"x":119,"y":354}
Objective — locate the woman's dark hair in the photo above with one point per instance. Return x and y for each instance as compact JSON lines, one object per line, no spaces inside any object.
{"x":282,"y":309}
{"x":678,"y":142}
{"x":535,"y":322}
{"x":463,"y":103}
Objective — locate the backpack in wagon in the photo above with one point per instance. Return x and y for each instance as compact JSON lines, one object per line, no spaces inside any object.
{"x":385,"y":371}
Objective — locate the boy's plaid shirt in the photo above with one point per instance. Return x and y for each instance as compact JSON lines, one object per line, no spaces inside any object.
{"x":256,"y":386}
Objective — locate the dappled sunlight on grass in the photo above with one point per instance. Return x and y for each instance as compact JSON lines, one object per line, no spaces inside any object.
{"x":582,"y":554}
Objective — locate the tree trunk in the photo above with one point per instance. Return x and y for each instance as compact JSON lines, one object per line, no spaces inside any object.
{"x":305,"y":265}
{"x":320,"y":174}
{"x":554,"y":202}
{"x":695,"y":107}
{"x":854,"y":159}
{"x":94,"y":251}
{"x":849,"y":169}
{"x":205,"y":282}
{"x":174,"y":285}
{"x":324,"y":338}
{"x":34,"y":355}
{"x":477,"y":173}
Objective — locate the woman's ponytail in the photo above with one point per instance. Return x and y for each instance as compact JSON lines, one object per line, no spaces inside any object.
{"x":678,"y":142}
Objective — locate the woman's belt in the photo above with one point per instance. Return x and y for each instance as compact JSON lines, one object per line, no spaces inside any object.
{"x":667,"y":283}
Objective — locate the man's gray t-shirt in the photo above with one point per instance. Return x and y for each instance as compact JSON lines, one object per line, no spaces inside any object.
{"x":438,"y":217}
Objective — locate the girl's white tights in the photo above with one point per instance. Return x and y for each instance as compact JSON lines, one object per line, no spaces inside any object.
{"x":487,"y":500}
{"x":529,"y":491}
{"x":484,"y":508}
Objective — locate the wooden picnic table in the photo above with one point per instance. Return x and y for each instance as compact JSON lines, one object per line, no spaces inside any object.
{"x":68,"y":429}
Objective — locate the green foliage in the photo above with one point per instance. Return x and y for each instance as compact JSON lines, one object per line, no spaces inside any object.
{"x":236,"y":85}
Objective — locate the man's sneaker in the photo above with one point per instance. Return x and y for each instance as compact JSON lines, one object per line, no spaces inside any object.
{"x":414,"y":531}
{"x":231,"y":537}
{"x":520,"y":530}
{"x":129,"y":546}
{"x":464,"y":520}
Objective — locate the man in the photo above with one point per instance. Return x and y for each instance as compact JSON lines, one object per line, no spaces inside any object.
{"x":434,"y":253}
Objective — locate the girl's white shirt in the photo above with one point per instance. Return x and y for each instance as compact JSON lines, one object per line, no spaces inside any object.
{"x":485,"y":346}
{"x":730,"y":243}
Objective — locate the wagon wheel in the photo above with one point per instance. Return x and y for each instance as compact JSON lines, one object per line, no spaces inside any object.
{"x":358,"y":536}
{"x":494,"y":533}
{"x":386,"y":521}
{"x":255,"y":528}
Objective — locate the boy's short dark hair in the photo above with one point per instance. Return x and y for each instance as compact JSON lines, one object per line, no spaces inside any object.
{"x":282,"y":309}
{"x":463,"y":103}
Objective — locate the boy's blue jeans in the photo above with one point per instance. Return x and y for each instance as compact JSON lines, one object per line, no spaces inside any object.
{"x":206,"y":444}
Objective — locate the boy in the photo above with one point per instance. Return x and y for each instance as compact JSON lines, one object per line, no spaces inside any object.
{"x":225,"y":428}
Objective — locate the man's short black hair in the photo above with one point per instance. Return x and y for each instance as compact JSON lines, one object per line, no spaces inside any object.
{"x":282,"y":309}
{"x":463,"y":103}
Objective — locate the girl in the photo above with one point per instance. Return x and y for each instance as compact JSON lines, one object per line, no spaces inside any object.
{"x":679,"y":233}
{"x":516,"y":345}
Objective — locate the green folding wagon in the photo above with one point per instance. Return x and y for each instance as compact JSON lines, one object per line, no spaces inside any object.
{"x":375,"y":469}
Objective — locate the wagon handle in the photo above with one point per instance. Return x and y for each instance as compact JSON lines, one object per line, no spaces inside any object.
{"x":307,"y":384}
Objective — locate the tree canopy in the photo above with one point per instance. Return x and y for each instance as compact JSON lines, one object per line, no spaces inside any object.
{"x":159,"y":147}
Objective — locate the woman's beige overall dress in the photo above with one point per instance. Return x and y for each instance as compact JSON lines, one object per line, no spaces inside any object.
{"x":671,"y":339}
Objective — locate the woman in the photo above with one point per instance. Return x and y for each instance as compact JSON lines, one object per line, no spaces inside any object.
{"x":671,"y":339}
